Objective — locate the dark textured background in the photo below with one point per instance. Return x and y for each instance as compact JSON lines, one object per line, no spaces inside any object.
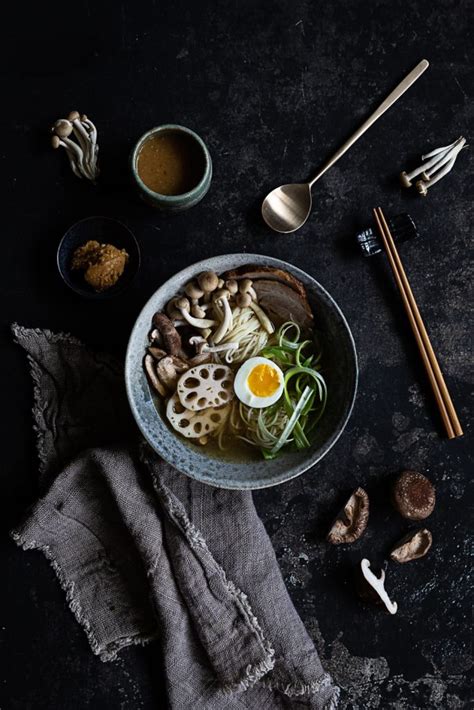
{"x":273,"y":88}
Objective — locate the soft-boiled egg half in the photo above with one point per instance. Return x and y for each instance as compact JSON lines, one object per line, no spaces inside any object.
{"x":258,"y":382}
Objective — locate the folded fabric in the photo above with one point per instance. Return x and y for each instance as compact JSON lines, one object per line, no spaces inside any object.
{"x":144,"y":553}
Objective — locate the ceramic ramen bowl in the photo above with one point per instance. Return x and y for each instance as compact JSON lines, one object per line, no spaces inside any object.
{"x":340,"y":372}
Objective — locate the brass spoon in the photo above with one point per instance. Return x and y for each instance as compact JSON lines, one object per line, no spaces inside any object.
{"x":286,"y":208}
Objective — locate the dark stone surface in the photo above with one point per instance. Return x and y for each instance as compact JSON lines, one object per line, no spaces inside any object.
{"x":273,"y":88}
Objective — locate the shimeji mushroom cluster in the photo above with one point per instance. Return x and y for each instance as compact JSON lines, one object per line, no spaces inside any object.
{"x":214,"y":306}
{"x":438,"y":163}
{"x":82,"y":152}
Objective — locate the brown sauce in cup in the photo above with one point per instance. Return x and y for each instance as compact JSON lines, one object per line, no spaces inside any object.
{"x":170,"y":163}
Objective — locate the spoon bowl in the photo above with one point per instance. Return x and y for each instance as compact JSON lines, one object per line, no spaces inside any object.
{"x":286,"y":208}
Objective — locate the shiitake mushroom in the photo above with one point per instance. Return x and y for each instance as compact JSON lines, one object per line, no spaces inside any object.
{"x":352,"y":520}
{"x":413,"y":495}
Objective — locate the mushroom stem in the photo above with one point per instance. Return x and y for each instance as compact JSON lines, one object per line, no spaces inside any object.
{"x":377,"y":584}
{"x":451,"y":155}
{"x":83,"y":140}
{"x":436,"y":159}
{"x":197,"y":322}
{"x":82,"y":152}
{"x":422,"y":168}
{"x":222,"y":348}
{"x":436,"y":151}
{"x":76,"y":154}
{"x":71,"y":159}
{"x":94,"y":148}
{"x":226,"y":323}
{"x":263,"y":318}
{"x":423,"y":186}
{"x":204,"y":347}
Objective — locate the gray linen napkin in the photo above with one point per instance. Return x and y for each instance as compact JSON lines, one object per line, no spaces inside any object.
{"x":144,"y":553}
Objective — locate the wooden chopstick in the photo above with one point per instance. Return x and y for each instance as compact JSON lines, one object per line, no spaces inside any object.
{"x":435,"y":376}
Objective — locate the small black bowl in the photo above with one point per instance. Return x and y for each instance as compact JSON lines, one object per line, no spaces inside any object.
{"x":106,"y":231}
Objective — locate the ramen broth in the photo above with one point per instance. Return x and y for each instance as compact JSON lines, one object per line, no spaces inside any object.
{"x":235,"y":449}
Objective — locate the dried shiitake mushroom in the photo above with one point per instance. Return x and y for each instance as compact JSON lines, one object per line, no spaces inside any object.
{"x":150,"y":369}
{"x":414,"y":495}
{"x":414,"y":545}
{"x":352,"y":520}
{"x":170,"y":336}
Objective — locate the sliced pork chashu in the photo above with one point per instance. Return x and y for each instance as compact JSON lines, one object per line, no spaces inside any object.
{"x":256,"y":272}
{"x":280,"y":294}
{"x":282,"y":304}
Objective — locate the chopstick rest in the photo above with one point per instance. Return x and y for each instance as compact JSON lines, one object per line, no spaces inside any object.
{"x":402,"y":227}
{"x":435,"y":376}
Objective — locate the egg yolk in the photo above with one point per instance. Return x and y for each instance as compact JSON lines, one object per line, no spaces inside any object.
{"x":263,"y":381}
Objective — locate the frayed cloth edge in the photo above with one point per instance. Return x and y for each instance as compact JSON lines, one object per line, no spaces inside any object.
{"x":107,"y":653}
{"x":298,"y":688}
{"x":48,"y":334}
{"x":251,"y":675}
{"x":253,"y":672}
{"x":35,"y":371}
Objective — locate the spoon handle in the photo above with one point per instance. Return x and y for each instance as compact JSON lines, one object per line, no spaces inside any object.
{"x":391,"y":98}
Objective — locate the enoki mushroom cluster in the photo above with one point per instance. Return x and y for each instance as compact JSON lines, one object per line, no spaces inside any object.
{"x":78,"y":136}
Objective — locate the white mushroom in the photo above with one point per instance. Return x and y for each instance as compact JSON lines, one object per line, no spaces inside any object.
{"x":193,"y":291}
{"x":56,"y":142}
{"x":432,"y":177}
{"x":243,"y":300}
{"x":82,"y":137}
{"x":198,"y":312}
{"x":203,"y":346}
{"x":83,"y":153}
{"x":197,"y":322}
{"x":263,"y":318}
{"x":94,"y":149}
{"x":220,"y":293}
{"x":208,"y":281}
{"x":245,"y":286}
{"x":62,"y":128}
{"x":232,"y":286}
{"x":172,"y":309}
{"x":183,"y":304}
{"x":226,"y":323}
{"x":435,"y":160}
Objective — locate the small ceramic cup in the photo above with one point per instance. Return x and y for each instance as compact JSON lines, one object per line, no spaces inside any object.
{"x":173,"y":203}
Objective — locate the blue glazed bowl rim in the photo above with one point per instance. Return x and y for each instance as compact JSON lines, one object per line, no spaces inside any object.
{"x":172,"y":199}
{"x":136,"y":397}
